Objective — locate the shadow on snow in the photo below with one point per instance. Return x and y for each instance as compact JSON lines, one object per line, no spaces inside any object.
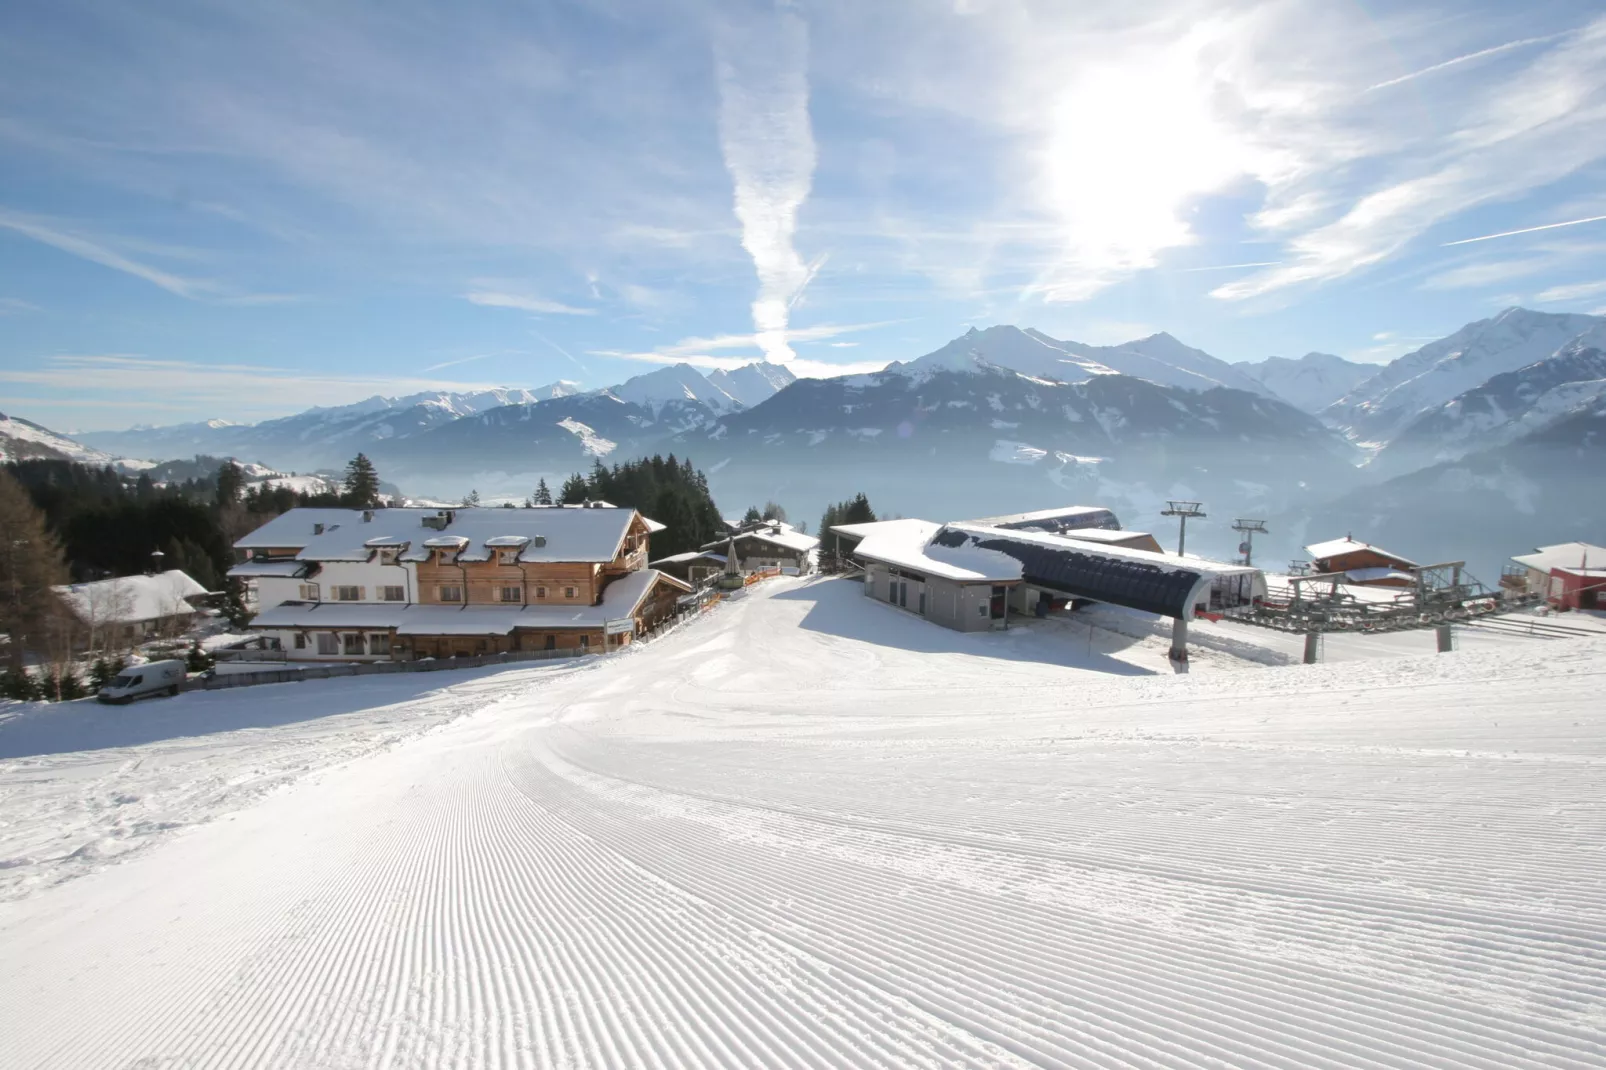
{"x":840,"y":608}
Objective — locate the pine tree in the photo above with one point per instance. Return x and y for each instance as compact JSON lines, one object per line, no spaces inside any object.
{"x":68,"y":686}
{"x":230,"y":482}
{"x":17,"y":683}
{"x":574,"y":490}
{"x":752,"y":515}
{"x":30,"y":566}
{"x":361,"y":484}
{"x":198,"y":660}
{"x":543,"y":494}
{"x":471,"y":500}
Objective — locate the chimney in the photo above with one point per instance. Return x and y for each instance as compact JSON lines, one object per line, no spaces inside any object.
{"x":317,"y":529}
{"x":367,"y":516}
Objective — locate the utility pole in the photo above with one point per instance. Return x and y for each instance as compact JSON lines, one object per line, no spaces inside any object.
{"x":1182,"y":510}
{"x":1248,"y":528}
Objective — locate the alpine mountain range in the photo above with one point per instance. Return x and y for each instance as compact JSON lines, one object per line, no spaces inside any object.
{"x":1476,"y":446}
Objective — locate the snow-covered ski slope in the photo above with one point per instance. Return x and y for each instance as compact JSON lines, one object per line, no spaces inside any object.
{"x":811,"y":831}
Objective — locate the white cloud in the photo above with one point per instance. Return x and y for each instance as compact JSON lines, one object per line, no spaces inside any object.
{"x":10,"y":306}
{"x":97,"y":253}
{"x":1572,"y":292}
{"x":768,"y":145}
{"x":1508,"y":136}
{"x":524,"y":302}
{"x":1474,"y":275}
{"x":698,"y":351}
{"x":212,"y":389}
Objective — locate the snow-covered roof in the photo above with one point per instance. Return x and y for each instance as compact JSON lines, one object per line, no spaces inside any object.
{"x":1105,"y":535}
{"x":1347,"y":545}
{"x":1373,"y":575}
{"x":553,"y":535}
{"x":298,"y":527}
{"x":132,"y":598}
{"x":692,"y":555}
{"x":620,"y":599}
{"x":251,"y":570}
{"x":1190,"y":563}
{"x":1568,"y":555}
{"x":779,"y":533}
{"x":1065,"y":515}
{"x":859,"y":531}
{"x":907,"y":544}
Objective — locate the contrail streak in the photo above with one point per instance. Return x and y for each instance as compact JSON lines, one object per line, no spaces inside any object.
{"x":1468,"y":58}
{"x":1524,"y":230}
{"x":768,"y":145}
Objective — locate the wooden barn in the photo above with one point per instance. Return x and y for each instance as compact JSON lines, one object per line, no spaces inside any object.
{"x":1362,"y":563}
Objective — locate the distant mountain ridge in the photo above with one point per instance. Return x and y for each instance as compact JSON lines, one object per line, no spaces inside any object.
{"x":1008,"y":418}
{"x":1312,"y":382}
{"x":1383,"y":405}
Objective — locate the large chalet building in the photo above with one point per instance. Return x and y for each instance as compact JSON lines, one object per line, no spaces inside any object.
{"x":380,"y":584}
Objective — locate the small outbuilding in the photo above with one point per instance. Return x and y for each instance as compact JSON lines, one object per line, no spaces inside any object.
{"x":762,"y":544}
{"x":694,"y":567}
{"x":130,"y":609}
{"x":1362,"y":563}
{"x":961,"y":588}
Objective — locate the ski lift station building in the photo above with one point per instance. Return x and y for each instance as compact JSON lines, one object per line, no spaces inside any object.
{"x":971,"y":575}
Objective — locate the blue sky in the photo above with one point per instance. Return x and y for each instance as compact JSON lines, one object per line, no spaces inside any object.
{"x":242,"y":210}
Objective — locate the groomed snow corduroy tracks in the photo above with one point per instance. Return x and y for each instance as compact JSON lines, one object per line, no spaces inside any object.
{"x":789,"y":838}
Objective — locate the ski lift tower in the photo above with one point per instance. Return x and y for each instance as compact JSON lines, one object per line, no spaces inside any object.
{"x":1248,"y":528}
{"x":1182,"y":510}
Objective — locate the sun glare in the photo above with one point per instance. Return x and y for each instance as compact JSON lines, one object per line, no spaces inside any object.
{"x":1131,"y":145}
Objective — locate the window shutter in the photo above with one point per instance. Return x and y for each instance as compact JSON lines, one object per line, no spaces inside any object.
{"x":362,"y":594}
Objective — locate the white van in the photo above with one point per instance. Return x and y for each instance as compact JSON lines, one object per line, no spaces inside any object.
{"x":138,"y":681}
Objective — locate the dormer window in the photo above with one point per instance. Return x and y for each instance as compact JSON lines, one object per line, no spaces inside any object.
{"x":507,"y":557}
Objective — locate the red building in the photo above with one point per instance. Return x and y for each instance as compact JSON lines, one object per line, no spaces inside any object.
{"x":1577,"y":588}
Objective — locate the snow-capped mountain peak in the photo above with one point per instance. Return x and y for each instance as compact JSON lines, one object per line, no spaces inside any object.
{"x":754,"y":383}
{"x":1386,"y":403}
{"x":1311,"y":382}
{"x":24,"y":440}
{"x":676,"y":383}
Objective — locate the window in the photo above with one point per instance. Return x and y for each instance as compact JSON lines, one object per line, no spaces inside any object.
{"x":540,"y":592}
{"x":327,"y":643}
{"x":301,"y":641}
{"x":379,"y":643}
{"x":393,"y":594}
{"x":353,"y":642}
{"x":551,"y":642}
{"x":570,"y":592}
{"x":585,"y":640}
{"x":513,"y":594}
{"x":451,"y":594}
{"x":348,"y":594}
{"x":309,"y":592}
{"x":507,"y":557}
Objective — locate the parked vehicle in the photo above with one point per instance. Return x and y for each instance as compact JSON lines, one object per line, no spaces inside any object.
{"x":140,"y":681}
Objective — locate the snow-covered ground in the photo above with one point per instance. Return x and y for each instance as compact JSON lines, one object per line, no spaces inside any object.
{"x":809,"y":830}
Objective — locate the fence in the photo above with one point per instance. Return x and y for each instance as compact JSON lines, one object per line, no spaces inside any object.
{"x":372,"y":668}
